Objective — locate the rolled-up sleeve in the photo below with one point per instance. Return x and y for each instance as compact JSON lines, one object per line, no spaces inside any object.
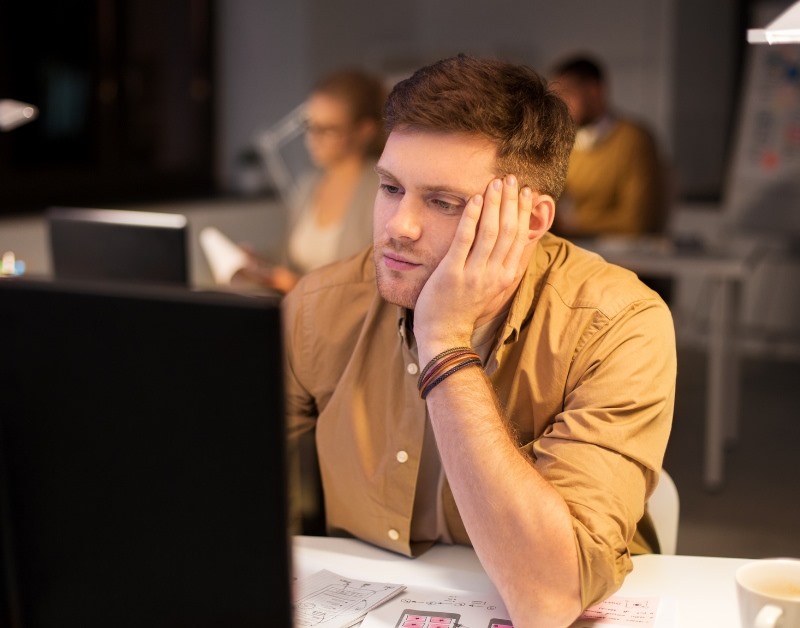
{"x":604,"y":451}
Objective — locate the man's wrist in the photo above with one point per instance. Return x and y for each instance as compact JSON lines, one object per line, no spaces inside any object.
{"x":443,"y":365}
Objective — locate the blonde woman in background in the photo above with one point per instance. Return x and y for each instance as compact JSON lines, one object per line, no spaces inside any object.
{"x":331,"y":214}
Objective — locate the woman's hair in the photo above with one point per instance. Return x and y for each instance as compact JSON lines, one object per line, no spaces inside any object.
{"x":365,"y":96}
{"x":509,"y":104}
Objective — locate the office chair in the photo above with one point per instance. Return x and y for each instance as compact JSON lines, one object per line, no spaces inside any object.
{"x":664,"y":508}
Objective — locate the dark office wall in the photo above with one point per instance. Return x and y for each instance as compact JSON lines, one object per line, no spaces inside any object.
{"x":125,"y":94}
{"x":674,"y":63}
{"x":710,"y":40}
{"x":263,"y":70}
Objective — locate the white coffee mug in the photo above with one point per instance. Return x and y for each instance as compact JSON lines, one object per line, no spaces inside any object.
{"x":769,"y":593}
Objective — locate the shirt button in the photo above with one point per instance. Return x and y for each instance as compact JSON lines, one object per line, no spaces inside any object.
{"x":402,"y":456}
{"x":412,"y":369}
{"x":394,"y":534}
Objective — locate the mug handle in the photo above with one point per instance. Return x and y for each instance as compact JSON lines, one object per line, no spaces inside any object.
{"x":768,"y":616}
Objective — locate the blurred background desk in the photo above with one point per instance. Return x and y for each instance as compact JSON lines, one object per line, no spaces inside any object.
{"x":658,"y":257}
{"x":258,"y":221}
{"x":702,"y":589}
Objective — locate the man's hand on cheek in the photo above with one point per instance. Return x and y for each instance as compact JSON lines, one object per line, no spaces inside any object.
{"x":476,"y":276}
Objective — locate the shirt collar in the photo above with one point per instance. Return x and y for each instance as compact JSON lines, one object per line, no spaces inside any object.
{"x":524,"y":301}
{"x":590,"y":135}
{"x":405,"y":321}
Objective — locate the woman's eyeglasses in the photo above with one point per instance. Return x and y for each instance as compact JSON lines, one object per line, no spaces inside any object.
{"x":324,"y":130}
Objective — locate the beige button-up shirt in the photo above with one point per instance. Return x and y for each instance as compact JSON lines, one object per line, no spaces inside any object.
{"x":584,"y":365}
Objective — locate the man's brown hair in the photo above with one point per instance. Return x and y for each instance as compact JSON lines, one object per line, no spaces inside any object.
{"x":508,"y":104}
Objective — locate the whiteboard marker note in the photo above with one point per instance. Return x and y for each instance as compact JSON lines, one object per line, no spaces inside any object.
{"x":223,"y":255}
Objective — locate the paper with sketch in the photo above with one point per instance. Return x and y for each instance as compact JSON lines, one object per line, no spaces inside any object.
{"x":223,"y":255}
{"x":422,"y":607}
{"x":426,"y":608}
{"x":627,"y":612}
{"x":328,"y":600}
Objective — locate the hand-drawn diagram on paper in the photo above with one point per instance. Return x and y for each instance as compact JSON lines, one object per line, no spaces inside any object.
{"x":639,"y":612}
{"x":420,"y":607}
{"x":327,"y":600}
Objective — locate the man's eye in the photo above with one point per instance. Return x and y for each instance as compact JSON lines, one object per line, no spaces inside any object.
{"x":446,"y":205}
{"x":390,"y":189}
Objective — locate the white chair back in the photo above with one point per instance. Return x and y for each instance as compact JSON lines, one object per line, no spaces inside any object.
{"x":664,"y":507}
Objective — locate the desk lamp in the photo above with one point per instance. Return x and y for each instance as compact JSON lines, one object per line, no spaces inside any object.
{"x":270,"y":143}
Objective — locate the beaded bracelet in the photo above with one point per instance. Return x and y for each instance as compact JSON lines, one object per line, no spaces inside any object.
{"x":443,"y":366}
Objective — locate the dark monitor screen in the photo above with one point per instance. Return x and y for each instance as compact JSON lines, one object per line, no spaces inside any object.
{"x":118,"y":245}
{"x":142,"y":466}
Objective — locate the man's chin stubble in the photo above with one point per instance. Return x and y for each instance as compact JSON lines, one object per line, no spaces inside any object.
{"x":406,"y":298}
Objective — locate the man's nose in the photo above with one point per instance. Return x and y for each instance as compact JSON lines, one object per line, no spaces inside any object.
{"x":405,"y":221}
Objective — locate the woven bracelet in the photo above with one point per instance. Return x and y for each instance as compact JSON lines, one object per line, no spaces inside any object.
{"x":443,"y":365}
{"x":425,"y":391}
{"x":436,"y":359}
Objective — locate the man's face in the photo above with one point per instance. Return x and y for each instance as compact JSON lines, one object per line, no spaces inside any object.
{"x":584,"y":98}
{"x":426,"y":180}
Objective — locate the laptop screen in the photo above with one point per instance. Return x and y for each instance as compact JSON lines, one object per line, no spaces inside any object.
{"x":142,"y":474}
{"x":118,"y":245}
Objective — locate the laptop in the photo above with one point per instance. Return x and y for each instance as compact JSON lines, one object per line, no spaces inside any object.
{"x":142,"y":465}
{"x":118,"y":245}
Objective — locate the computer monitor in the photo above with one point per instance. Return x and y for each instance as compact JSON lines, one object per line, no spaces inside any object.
{"x":118,"y":245}
{"x":142,"y":466}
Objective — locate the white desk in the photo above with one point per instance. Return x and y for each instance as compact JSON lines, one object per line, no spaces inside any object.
{"x":725,"y":273}
{"x":702,"y":589}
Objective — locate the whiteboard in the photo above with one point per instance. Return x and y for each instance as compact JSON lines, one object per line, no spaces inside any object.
{"x":763,"y":187}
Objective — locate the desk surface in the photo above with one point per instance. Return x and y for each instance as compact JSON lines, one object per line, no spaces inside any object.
{"x":702,"y":589}
{"x":658,"y":256}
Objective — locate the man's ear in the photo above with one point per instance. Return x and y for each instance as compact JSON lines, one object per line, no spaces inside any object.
{"x":542,"y":215}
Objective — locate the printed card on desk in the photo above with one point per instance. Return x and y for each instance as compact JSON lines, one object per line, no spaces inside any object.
{"x":328,"y":600}
{"x":419,"y":607}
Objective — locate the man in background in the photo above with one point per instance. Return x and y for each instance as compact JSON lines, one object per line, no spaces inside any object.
{"x":615,"y":180}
